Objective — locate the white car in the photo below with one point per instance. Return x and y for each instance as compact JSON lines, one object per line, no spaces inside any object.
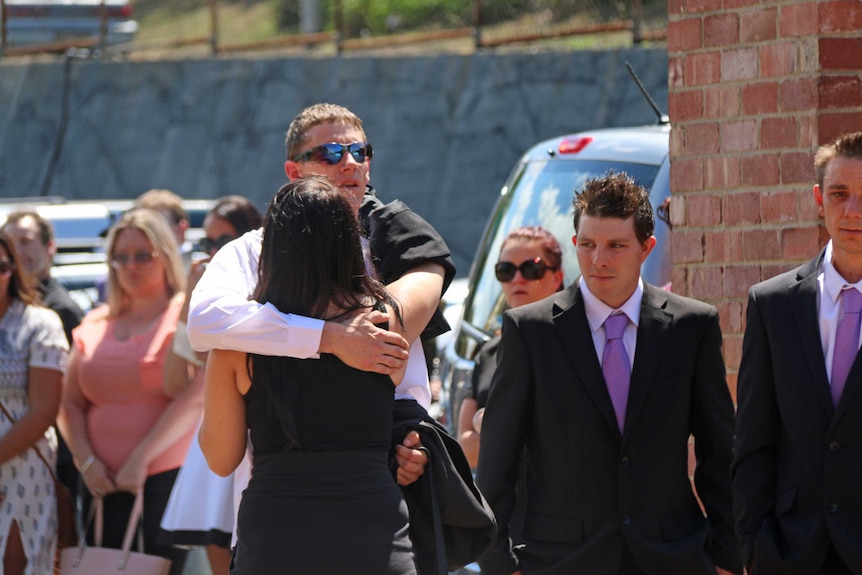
{"x":42,"y":21}
{"x":80,"y":228}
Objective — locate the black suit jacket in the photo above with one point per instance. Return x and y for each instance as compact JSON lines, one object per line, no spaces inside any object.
{"x":590,"y":490}
{"x":797,"y":471}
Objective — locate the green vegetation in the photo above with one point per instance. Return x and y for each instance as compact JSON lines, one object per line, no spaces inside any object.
{"x":242,"y":21}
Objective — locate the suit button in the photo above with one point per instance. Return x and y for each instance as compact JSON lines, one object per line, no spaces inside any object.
{"x":833,"y":507}
{"x":624,"y":461}
{"x":834,"y":446}
{"x":627,"y":520}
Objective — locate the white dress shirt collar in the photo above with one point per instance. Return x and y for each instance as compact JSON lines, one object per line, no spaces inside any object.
{"x":833,"y":281}
{"x":598,"y":311}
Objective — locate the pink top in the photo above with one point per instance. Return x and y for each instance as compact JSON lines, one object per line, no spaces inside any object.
{"x":122,"y":380}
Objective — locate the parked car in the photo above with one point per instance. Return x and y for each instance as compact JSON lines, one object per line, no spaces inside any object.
{"x":80,"y":228}
{"x":539,"y":191}
{"x":41,"y":21}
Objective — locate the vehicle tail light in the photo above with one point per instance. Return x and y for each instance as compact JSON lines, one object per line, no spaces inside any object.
{"x":124,"y":11}
{"x":574,"y":145}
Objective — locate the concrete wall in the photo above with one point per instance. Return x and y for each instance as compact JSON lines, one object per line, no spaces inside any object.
{"x":446,"y":129}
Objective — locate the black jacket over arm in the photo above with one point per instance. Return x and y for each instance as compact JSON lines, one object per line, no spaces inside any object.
{"x":466,"y":528}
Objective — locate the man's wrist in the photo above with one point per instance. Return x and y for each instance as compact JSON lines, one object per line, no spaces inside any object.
{"x":329,"y":336}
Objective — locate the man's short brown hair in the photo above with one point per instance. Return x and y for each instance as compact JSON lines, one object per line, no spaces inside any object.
{"x":46,"y":230}
{"x":297,"y":132}
{"x":847,"y":146}
{"x":165,"y":202}
{"x":615,"y":195}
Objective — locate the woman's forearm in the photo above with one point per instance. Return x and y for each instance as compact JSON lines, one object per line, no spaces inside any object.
{"x":176,"y":421}
{"x":72,"y":423}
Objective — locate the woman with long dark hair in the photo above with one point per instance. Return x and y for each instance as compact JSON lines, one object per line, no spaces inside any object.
{"x":33,"y":349}
{"x":322,"y":498}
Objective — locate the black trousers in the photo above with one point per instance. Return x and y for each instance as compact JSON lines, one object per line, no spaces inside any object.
{"x":118,"y":507}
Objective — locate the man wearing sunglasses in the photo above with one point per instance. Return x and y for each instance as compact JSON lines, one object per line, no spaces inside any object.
{"x":601,"y":386}
{"x":409,"y":256}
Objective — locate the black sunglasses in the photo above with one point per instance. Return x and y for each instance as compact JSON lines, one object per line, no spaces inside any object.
{"x":530,"y":270}
{"x":6,"y":265}
{"x":210,"y":246}
{"x":332,"y":153}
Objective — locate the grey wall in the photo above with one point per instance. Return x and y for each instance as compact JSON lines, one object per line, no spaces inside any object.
{"x":446,"y":129}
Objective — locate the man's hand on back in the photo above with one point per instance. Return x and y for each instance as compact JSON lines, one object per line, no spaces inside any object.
{"x":361,"y":344}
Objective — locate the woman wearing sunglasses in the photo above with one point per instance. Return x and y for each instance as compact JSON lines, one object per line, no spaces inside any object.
{"x":529,"y":269}
{"x":33,"y":349}
{"x":201,"y":511}
{"x":124,"y":432}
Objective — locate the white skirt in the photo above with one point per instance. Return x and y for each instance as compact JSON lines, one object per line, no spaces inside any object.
{"x":200,"y":510}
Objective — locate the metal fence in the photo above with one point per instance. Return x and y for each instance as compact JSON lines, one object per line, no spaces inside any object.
{"x":186,"y":27}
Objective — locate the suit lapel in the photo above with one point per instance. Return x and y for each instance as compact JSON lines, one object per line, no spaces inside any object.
{"x":570,"y":319}
{"x":653,"y":328}
{"x":804,"y":300}
{"x":851,"y":387}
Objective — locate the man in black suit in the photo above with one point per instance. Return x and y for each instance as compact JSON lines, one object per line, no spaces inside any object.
{"x":608,"y":491}
{"x":797,"y":470}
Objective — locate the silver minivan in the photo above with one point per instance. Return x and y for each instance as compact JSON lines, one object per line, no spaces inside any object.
{"x":539,"y":191}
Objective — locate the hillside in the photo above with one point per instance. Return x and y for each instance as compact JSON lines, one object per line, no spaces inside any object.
{"x":185,"y":25}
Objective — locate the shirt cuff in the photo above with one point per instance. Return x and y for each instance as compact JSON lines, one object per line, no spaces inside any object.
{"x":303,"y":336}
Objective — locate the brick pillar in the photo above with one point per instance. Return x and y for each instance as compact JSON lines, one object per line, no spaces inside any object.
{"x":755,"y":87}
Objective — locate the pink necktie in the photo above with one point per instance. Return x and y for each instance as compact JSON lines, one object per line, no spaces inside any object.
{"x":615,"y":365}
{"x":846,"y":341}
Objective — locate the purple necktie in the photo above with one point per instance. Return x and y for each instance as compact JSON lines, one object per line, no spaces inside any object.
{"x":615,"y":364}
{"x":846,"y":341}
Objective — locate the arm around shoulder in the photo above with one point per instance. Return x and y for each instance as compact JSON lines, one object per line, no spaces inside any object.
{"x":222,"y":315}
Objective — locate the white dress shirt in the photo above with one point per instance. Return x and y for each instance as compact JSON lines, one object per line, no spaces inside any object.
{"x":598,"y":311}
{"x":829,"y":308}
{"x":222,"y":316}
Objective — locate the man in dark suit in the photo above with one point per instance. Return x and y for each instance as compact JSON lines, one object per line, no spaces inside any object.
{"x":797,"y":470}
{"x":606,"y":422}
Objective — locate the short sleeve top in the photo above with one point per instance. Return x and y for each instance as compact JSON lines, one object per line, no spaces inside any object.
{"x":122,"y":380}
{"x":30,"y":336}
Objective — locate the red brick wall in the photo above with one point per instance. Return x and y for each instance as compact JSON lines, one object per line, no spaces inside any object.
{"x":755,"y":86}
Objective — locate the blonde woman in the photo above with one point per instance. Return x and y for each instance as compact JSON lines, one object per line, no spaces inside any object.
{"x":124,"y":432}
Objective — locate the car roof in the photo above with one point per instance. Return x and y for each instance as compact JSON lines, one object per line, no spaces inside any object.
{"x":645,"y":144}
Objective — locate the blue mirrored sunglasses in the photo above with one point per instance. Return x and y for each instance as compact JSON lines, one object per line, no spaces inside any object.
{"x":332,"y":153}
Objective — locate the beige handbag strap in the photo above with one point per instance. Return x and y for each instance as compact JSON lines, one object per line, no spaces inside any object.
{"x":36,"y":449}
{"x":131,"y":528}
{"x":97,"y":513}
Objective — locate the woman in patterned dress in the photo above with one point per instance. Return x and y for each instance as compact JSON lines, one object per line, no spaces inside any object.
{"x":32,"y":357}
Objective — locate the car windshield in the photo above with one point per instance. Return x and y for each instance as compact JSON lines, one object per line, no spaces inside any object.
{"x":541,"y":194}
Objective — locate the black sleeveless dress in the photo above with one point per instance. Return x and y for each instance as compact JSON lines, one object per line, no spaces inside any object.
{"x":328,"y":503}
